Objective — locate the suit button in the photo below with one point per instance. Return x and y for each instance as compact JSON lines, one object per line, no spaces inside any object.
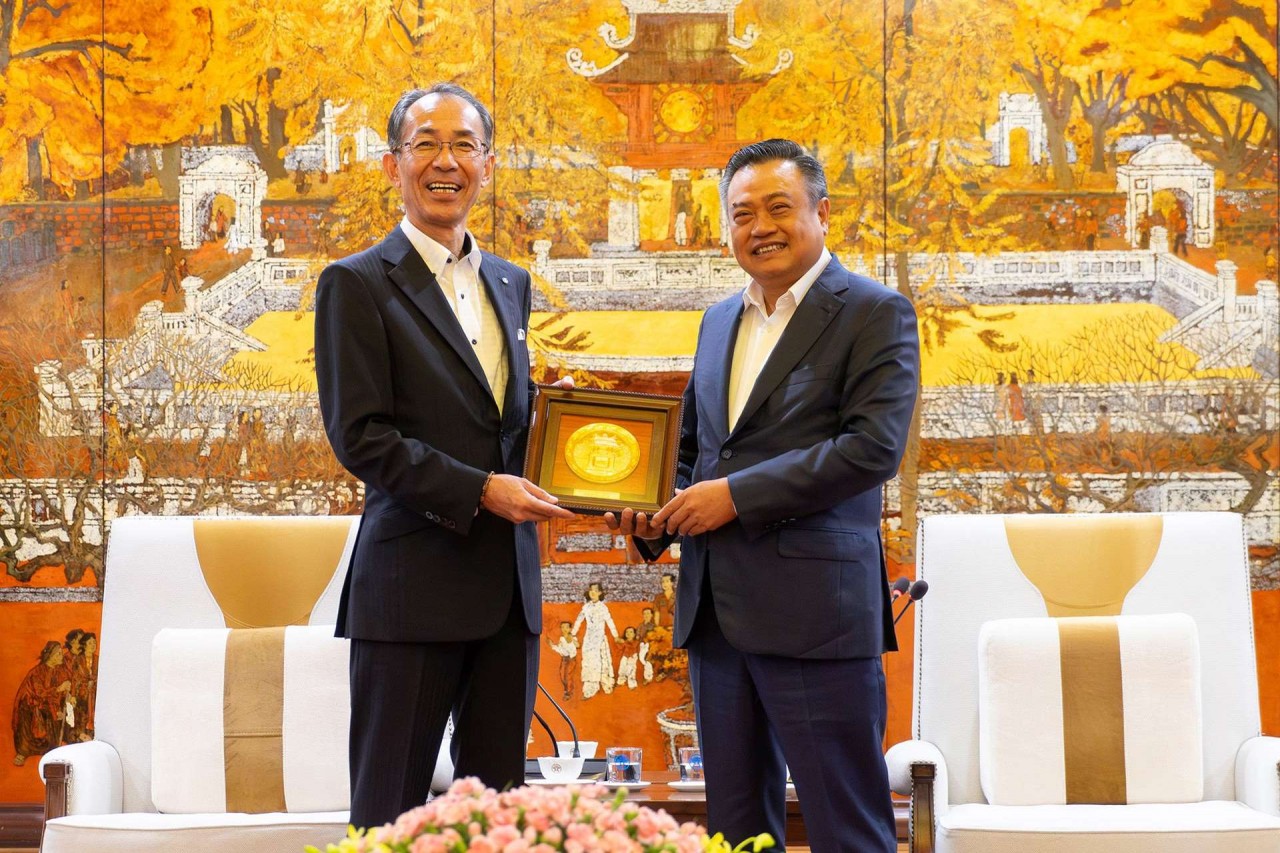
{"x":726,"y":454}
{"x":450,"y":524}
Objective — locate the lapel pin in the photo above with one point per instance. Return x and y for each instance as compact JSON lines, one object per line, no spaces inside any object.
{"x":505,"y":280}
{"x":519,"y":334}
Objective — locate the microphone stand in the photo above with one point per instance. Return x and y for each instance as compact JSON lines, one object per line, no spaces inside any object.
{"x":590,"y":766}
{"x":547,"y":729}
{"x":577,"y":753}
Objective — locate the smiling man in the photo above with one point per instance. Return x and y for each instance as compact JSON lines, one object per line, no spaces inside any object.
{"x":424,"y":386}
{"x":796,"y":412}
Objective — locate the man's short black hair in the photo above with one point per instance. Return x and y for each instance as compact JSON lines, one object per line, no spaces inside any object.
{"x":768,"y":151}
{"x":395,"y":122}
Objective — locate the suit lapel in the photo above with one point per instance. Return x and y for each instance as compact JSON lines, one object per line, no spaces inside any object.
{"x":719,"y":337}
{"x":412,"y":275}
{"x":814,"y":313}
{"x":500,"y":299}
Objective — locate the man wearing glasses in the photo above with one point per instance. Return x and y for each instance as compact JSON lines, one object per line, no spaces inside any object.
{"x":424,"y":386}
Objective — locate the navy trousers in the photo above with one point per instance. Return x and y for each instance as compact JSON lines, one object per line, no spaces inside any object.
{"x":824,"y":719}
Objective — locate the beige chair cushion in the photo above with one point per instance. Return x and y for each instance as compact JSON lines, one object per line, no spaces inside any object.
{"x":1101,"y":710}
{"x":251,"y":721}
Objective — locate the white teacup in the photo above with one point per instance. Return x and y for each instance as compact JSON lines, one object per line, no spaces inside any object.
{"x":560,"y":769}
{"x":586,"y":748}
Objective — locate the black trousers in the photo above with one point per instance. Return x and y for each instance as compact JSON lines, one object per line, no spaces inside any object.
{"x":401,"y":698}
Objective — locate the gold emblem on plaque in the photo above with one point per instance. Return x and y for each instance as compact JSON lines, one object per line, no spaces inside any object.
{"x":602,"y":453}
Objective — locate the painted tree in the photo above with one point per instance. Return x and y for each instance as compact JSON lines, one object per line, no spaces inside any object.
{"x":554,"y":130}
{"x":1040,"y":41}
{"x":934,"y":204}
{"x":53,"y":500}
{"x":1217,"y":62}
{"x":1226,"y":131}
{"x":1149,"y":418}
{"x":903,"y":152}
{"x":1068,"y":58}
{"x":1212,"y":46}
{"x":66,"y":68}
{"x":268,"y":66}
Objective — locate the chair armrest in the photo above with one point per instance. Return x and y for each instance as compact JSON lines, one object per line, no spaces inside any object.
{"x":82,"y":778}
{"x":916,"y":767}
{"x":1258,"y":774}
{"x":901,"y":757}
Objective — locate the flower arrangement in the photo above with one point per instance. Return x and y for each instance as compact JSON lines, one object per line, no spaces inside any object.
{"x":574,"y":819}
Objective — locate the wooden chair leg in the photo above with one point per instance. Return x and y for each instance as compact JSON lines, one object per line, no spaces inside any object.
{"x":922,"y":776}
{"x":57,"y":778}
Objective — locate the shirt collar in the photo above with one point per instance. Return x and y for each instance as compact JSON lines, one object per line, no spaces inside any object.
{"x":753,"y":295}
{"x":434,"y":254}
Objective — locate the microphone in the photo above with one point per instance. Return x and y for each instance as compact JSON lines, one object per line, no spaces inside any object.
{"x":899,"y":588}
{"x":573,"y":731}
{"x":550,"y":735}
{"x":590,"y":766}
{"x":915,"y":592}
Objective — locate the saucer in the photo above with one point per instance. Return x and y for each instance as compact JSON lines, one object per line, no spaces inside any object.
{"x":548,"y":783}
{"x":677,"y":785}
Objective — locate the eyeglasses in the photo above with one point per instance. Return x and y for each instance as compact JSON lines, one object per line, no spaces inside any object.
{"x":427,"y":148}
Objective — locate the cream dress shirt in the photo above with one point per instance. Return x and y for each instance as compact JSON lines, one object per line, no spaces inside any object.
{"x":459,"y":279}
{"x":759,"y":332}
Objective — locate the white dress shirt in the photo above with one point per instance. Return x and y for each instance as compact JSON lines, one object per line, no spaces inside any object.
{"x":760,"y":331}
{"x":459,"y":279}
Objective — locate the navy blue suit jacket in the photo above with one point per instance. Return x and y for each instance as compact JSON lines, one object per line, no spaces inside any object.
{"x":408,"y":411}
{"x":800,"y":572}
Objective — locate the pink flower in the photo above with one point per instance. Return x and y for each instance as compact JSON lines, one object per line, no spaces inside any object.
{"x":503,"y":835}
{"x":646,"y":826}
{"x":428,"y":844}
{"x":468,"y":785}
{"x":572,"y":819}
{"x":580,"y":833}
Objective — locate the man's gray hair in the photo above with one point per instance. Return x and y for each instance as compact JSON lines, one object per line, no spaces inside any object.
{"x":768,"y":151}
{"x":395,"y":122}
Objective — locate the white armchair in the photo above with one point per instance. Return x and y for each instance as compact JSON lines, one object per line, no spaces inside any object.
{"x":984,"y":694}
{"x":165,"y":771}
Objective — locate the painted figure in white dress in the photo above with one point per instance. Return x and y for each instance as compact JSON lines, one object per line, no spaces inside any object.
{"x":597,"y":658}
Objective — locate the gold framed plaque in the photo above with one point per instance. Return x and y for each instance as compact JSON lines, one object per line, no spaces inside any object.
{"x":599,"y":451}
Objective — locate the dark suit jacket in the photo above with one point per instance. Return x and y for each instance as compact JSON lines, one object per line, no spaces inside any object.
{"x":408,"y":411}
{"x":800,"y":572}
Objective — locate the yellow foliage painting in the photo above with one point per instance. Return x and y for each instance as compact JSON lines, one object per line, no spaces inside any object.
{"x":1079,"y":197}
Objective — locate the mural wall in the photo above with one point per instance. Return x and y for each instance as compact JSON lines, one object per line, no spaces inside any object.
{"x":1079,"y":196}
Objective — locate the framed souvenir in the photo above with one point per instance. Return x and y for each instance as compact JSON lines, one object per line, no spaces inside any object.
{"x":598,"y":451}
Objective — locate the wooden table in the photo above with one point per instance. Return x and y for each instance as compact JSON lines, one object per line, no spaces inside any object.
{"x":692,"y":806}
